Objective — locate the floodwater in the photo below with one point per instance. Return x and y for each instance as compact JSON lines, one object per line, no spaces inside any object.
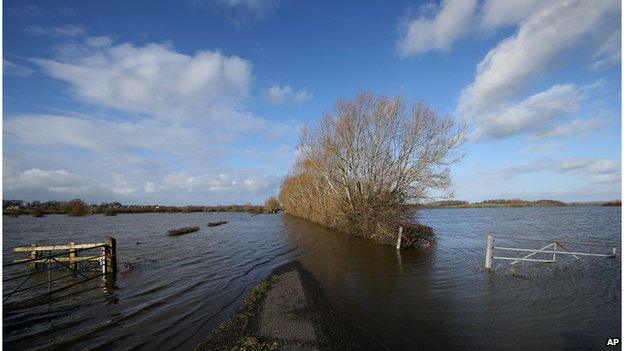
{"x":440,"y":298}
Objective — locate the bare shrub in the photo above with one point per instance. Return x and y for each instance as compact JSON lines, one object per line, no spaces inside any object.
{"x":362,"y":164}
{"x":271,"y":205}
{"x":77,"y":208}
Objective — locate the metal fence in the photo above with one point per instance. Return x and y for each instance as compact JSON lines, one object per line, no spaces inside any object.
{"x":545,"y":254}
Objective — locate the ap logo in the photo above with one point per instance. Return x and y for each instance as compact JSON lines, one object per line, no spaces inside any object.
{"x":613,"y":342}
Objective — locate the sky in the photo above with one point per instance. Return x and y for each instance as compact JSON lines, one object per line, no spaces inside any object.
{"x":201,"y":101}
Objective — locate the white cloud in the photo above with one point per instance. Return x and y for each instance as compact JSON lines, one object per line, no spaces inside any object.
{"x":118,"y":156}
{"x":609,"y":52}
{"x":64,"y":31}
{"x":530,"y":115}
{"x":162,"y":111}
{"x":37,"y":178}
{"x":497,"y":13}
{"x":506,"y":67}
{"x":261,"y":183}
{"x":98,"y":41}
{"x":278,"y":94}
{"x":150,"y":187}
{"x":99,"y":134}
{"x":503,"y":73}
{"x":424,"y":33}
{"x":574,"y":128}
{"x":10,"y":68}
{"x":594,"y":169}
{"x":605,"y":166}
{"x":238,"y":181}
{"x":608,"y":178}
{"x":154,"y":79}
{"x":212,"y":182}
{"x":70,"y":190}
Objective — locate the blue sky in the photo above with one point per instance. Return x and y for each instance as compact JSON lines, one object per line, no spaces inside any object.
{"x":200,"y":102}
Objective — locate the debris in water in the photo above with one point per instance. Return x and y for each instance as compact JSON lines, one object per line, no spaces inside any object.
{"x":183,"y":230}
{"x":214,"y":224}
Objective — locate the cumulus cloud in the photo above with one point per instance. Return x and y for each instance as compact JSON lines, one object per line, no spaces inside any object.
{"x":529,"y":115}
{"x":436,"y":33}
{"x":490,"y":102}
{"x":278,"y":95}
{"x":154,"y":79}
{"x":162,"y":111}
{"x":507,"y":66}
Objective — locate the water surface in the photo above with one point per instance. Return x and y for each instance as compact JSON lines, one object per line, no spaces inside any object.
{"x":429,"y":299}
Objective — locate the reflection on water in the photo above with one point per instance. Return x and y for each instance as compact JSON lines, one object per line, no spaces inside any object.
{"x":433,"y":299}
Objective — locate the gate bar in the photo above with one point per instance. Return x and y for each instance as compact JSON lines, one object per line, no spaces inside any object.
{"x":521,"y":259}
{"x":552,"y":240}
{"x":531,"y":254}
{"x":554,"y":252}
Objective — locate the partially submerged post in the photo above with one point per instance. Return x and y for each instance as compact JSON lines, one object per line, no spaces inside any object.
{"x":398,"y":246}
{"x":111,"y":255}
{"x":72,"y":255}
{"x":33,"y":256}
{"x":488,"y":251}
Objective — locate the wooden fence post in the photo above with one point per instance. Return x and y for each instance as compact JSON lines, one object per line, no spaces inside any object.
{"x":33,"y":255}
{"x":488,"y":251}
{"x":72,"y":256}
{"x":111,"y":255}
{"x":398,"y":246}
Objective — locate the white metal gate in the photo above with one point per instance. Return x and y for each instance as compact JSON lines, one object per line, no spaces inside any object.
{"x":553,"y":248}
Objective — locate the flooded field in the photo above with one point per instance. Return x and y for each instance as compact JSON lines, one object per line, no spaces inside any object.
{"x":430,"y":299}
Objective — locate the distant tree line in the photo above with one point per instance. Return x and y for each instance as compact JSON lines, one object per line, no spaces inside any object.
{"x":78,"y":207}
{"x":512,"y":203}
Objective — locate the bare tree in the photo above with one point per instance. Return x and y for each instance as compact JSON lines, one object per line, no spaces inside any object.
{"x":78,"y":208}
{"x":271,"y":204}
{"x":364,"y":163}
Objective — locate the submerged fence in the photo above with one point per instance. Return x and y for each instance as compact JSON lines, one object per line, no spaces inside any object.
{"x":554,"y":248}
{"x":53,"y":258}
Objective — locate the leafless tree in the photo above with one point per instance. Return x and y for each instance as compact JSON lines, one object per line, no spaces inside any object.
{"x":271,"y":204}
{"x":361,"y":166}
